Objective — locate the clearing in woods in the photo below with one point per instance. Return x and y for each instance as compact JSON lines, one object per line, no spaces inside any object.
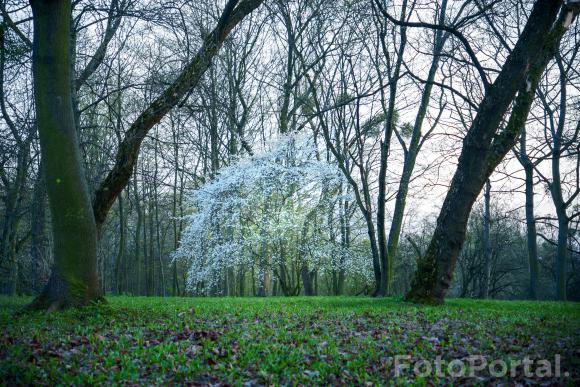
{"x":256,"y":341}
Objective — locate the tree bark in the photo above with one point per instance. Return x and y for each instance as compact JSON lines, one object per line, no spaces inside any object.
{"x":483,"y":149}
{"x":73,"y":280}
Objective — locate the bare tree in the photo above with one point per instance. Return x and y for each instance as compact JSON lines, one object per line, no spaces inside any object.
{"x":483,"y":148}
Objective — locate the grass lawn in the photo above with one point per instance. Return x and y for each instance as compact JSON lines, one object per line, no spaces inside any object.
{"x":251,"y":341}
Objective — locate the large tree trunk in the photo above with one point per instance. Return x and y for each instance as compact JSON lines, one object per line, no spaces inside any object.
{"x":483,"y":149}
{"x":74,"y":277}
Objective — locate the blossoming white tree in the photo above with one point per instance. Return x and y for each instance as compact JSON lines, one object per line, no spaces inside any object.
{"x":268,"y":215}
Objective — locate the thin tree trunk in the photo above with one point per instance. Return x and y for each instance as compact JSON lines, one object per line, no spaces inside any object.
{"x":38,"y":240}
{"x":385,"y":259}
{"x":152,"y":251}
{"x":119,"y":261}
{"x":563,"y":221}
{"x":486,"y":242}
{"x":175,"y":284}
{"x":414,"y":146}
{"x":138,"y":289}
{"x":159,"y":242}
{"x":557,"y":195}
{"x":531,"y":232}
{"x":562,"y":257}
{"x":263,"y":253}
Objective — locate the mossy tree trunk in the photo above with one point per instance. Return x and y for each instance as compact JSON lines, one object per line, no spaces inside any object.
{"x":483,"y":148}
{"x":74,"y":276}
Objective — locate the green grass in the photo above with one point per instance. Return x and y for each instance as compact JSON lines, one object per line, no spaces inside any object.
{"x":321,"y":340}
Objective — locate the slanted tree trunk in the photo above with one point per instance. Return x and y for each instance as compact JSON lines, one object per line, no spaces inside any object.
{"x":188,"y":79}
{"x":483,"y":149}
{"x":74,"y":276}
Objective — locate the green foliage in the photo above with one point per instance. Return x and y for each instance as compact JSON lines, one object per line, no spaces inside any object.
{"x":407,"y":130}
{"x":321,"y":340}
{"x":374,"y":125}
{"x":15,"y":48}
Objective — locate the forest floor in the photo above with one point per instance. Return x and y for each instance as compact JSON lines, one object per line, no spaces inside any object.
{"x":320,"y":340}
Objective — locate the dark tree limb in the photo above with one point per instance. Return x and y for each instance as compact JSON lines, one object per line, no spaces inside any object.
{"x":113,"y":22}
{"x":187,"y":80}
